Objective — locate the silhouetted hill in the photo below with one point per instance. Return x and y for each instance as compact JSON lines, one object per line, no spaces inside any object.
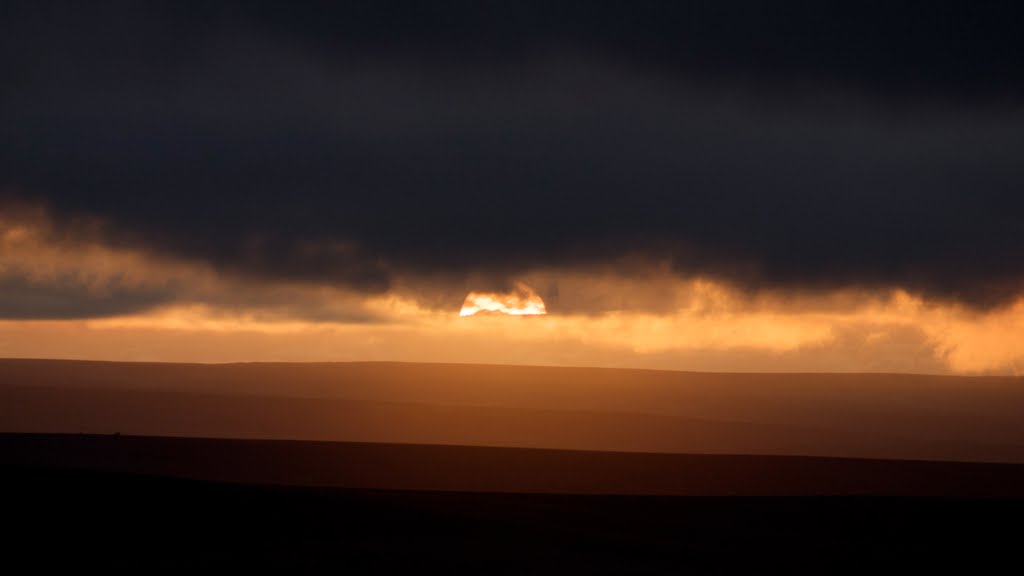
{"x":124,"y":505}
{"x":482,"y":469}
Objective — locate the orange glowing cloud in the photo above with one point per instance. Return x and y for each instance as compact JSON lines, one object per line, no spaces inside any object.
{"x":648,"y":319}
{"x":522,"y":301}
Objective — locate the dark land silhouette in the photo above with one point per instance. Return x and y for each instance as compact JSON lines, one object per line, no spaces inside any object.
{"x":401,"y":468}
{"x":125,"y":504}
{"x":510,"y":470}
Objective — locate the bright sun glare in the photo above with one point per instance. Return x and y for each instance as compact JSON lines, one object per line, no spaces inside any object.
{"x":522,"y":301}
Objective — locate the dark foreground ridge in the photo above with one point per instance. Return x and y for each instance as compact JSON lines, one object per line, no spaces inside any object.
{"x":84,"y":522}
{"x":358,"y":465}
{"x":133,"y":505}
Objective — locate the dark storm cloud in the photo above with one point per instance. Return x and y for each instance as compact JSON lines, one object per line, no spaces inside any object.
{"x":812,"y":144}
{"x":24,"y":300}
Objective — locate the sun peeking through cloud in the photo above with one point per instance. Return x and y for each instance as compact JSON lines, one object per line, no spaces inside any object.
{"x":522,"y":301}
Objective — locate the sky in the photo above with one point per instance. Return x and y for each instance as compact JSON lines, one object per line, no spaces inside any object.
{"x":712,"y":185}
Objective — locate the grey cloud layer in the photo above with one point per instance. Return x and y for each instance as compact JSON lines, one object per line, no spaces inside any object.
{"x":804,"y":146}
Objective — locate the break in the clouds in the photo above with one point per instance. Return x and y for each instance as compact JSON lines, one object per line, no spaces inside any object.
{"x":66,"y":293}
{"x":783,"y":145}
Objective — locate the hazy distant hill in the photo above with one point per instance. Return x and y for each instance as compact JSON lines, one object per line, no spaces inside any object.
{"x":862,"y":415}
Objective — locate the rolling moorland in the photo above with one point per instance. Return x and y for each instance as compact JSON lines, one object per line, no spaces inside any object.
{"x":383,"y":468}
{"x":832,"y":415}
